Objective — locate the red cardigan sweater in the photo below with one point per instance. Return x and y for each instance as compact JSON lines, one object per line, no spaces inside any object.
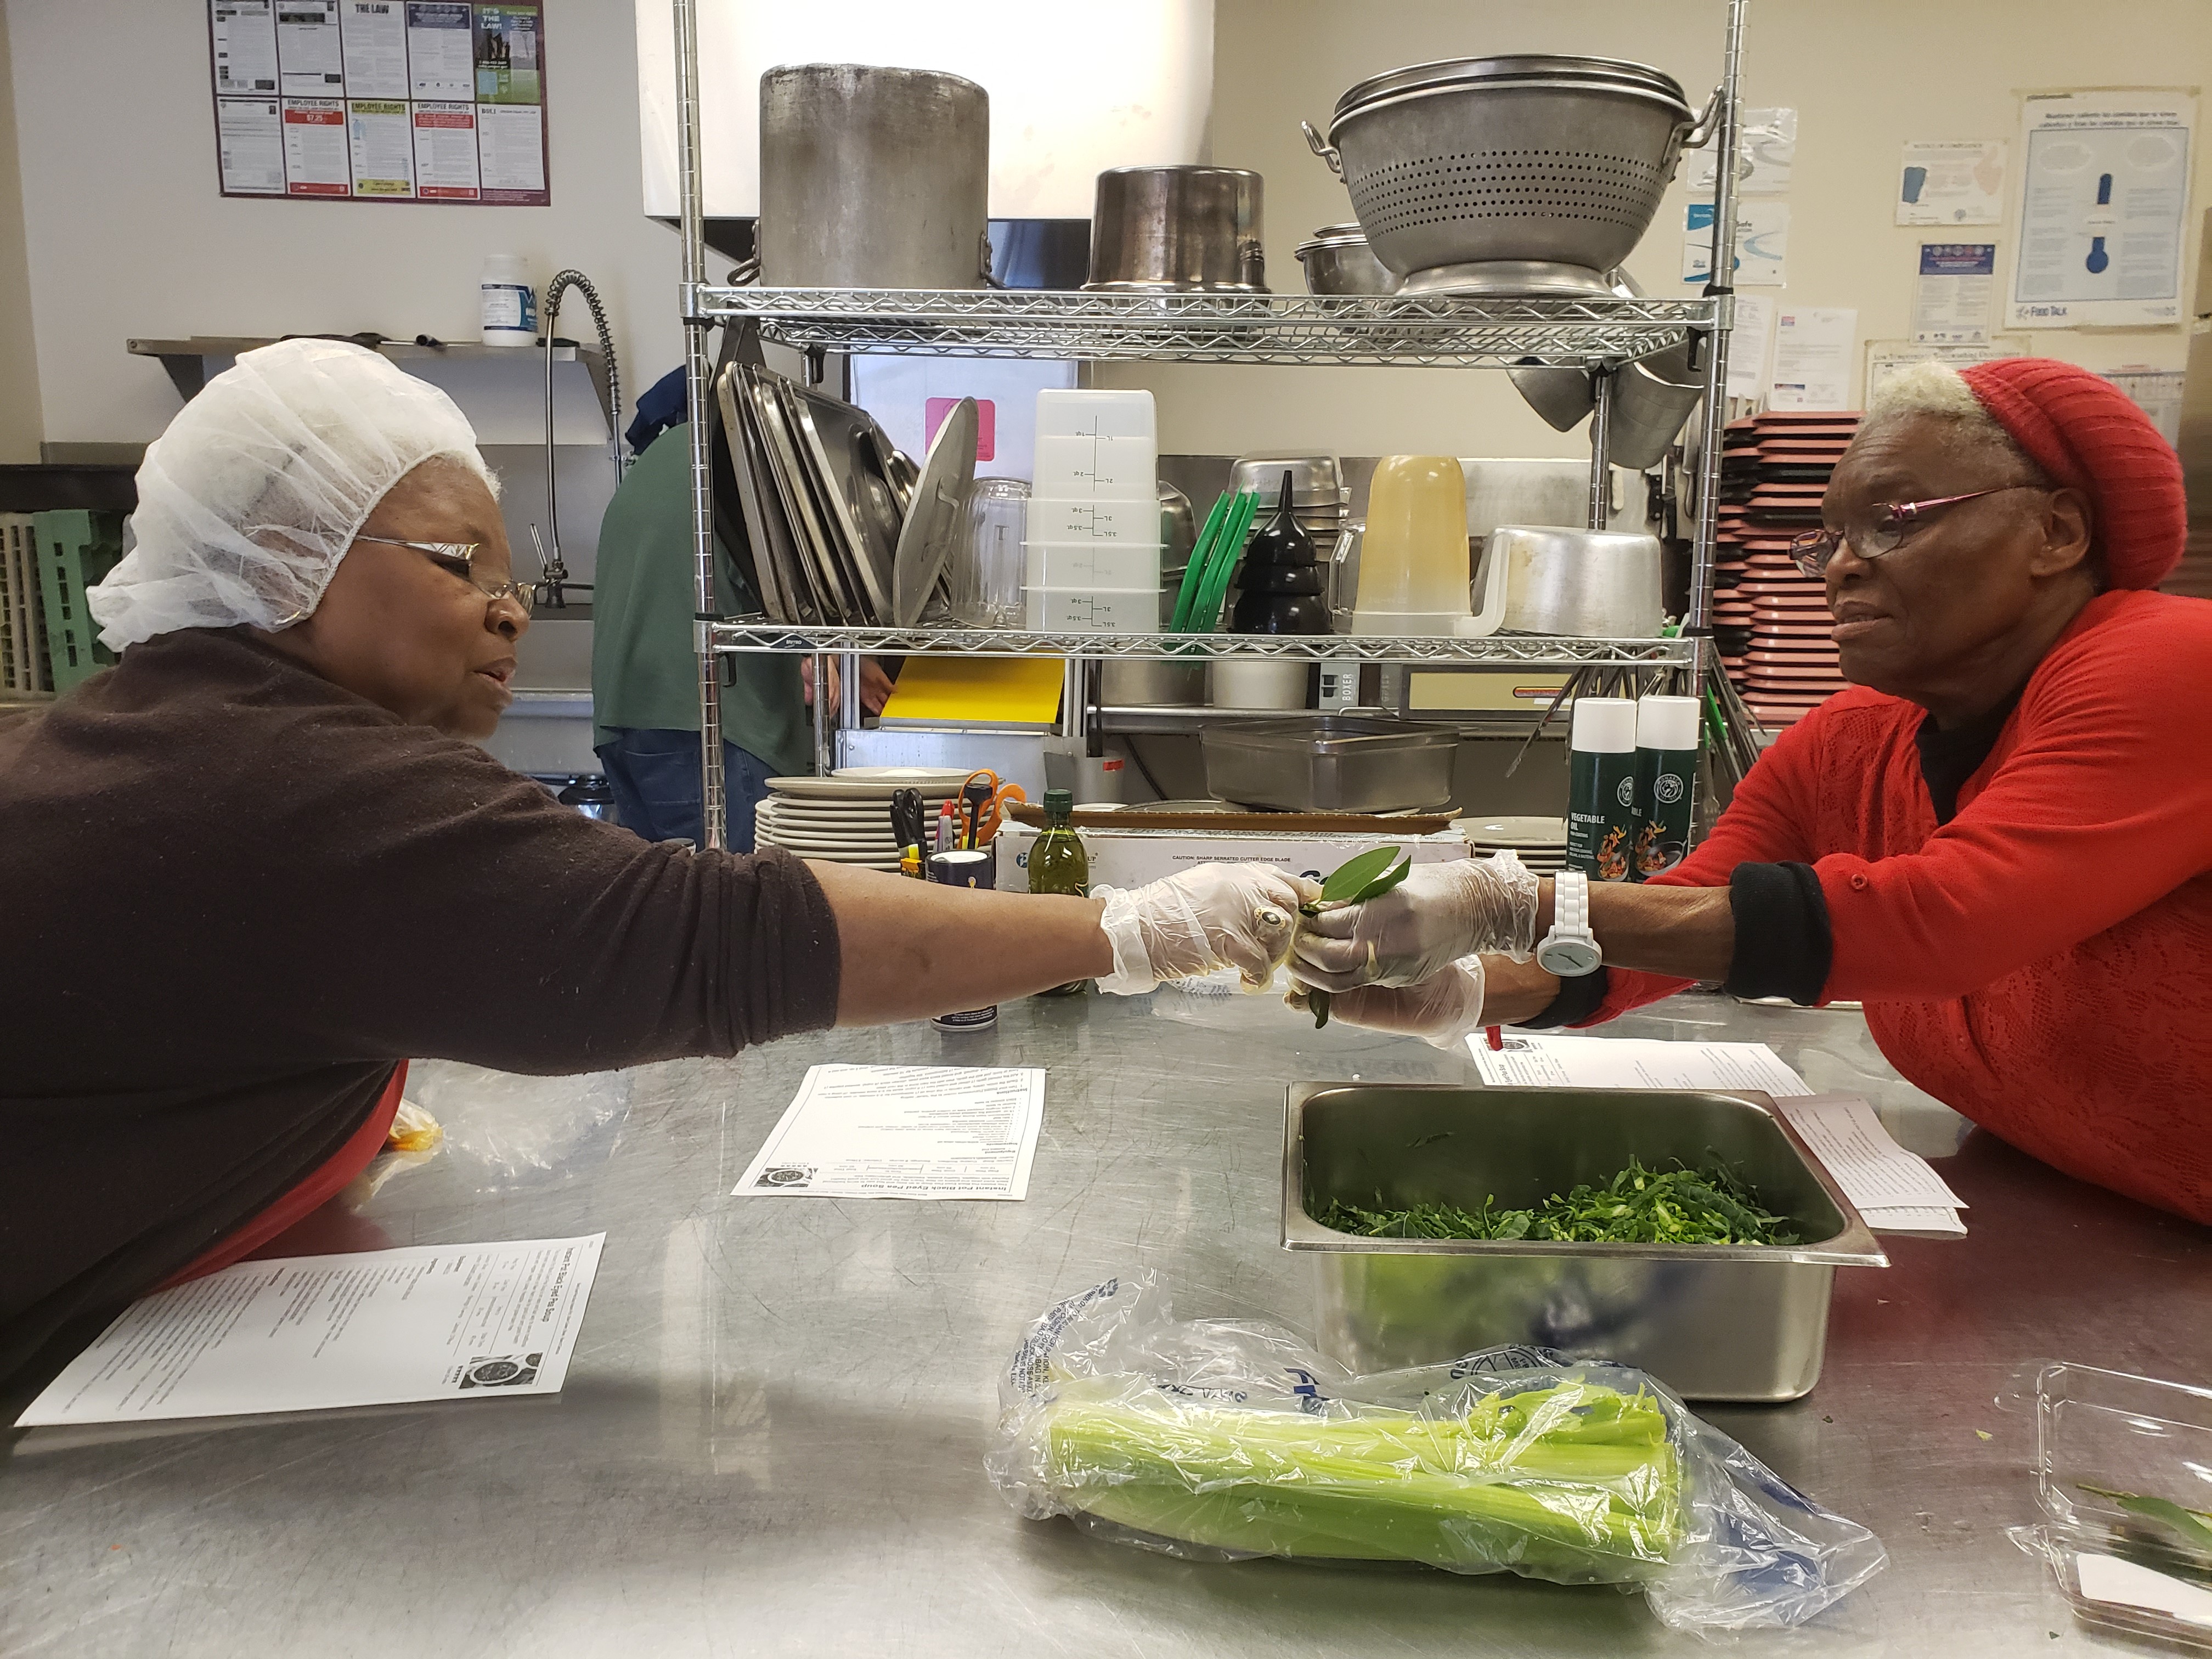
{"x":2042,"y":963}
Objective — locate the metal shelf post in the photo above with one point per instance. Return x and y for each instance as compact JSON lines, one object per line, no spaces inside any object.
{"x":697,"y":372}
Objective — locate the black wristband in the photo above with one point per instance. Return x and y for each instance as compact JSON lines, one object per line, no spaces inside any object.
{"x":1784,"y":947}
{"x":1579,"y":999}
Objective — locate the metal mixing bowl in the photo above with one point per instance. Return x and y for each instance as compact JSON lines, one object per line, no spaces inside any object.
{"x":1338,"y":260}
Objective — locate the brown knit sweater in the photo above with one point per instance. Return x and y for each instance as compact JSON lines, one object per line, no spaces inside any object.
{"x":232,"y":896}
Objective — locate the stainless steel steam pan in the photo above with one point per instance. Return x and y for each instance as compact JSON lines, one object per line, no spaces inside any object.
{"x":1746,"y":1322}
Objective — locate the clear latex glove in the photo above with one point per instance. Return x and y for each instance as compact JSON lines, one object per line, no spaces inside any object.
{"x":1444,"y":1009}
{"x":1439,"y":914}
{"x":1213,"y":916}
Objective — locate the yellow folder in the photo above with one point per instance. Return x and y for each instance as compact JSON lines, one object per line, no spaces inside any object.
{"x":1022,"y":693}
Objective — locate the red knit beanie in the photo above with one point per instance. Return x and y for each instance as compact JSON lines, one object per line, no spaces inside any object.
{"x":2089,"y":435}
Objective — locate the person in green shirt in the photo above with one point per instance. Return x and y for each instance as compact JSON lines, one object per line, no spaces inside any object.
{"x":645,"y":678}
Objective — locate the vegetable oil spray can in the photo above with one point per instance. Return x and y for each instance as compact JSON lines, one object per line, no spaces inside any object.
{"x":1666,"y":782}
{"x":1601,"y":789}
{"x":972,"y":869}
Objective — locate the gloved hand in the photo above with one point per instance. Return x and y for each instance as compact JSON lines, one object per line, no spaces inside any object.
{"x":1439,"y":914}
{"x":1211,"y":916}
{"x":1444,"y":1009}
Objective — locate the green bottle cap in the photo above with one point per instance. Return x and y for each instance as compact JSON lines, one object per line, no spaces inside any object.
{"x":1057,"y":801}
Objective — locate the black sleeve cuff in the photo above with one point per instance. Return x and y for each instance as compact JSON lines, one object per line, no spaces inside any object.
{"x":1784,"y":947}
{"x":1579,"y":999}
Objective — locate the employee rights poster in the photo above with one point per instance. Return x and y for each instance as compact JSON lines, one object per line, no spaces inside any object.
{"x":406,"y":100}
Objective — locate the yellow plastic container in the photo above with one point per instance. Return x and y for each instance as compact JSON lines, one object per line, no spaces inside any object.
{"x":1413,"y":564}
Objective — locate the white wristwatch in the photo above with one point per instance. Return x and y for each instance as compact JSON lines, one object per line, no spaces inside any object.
{"x":1569,"y":950}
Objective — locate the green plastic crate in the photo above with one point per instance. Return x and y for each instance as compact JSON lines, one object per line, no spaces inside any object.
{"x":77,"y":548}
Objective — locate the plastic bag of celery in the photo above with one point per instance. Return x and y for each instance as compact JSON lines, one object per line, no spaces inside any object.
{"x":1221,"y":1439}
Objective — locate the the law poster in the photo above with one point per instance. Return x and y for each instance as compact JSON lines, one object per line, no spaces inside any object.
{"x":2104,"y":188}
{"x":381,"y":100}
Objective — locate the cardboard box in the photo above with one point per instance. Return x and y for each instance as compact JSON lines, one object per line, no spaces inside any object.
{"x":1130,"y":858}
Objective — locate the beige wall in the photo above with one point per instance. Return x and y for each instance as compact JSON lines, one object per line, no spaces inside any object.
{"x":19,"y":369}
{"x":128,"y":236}
{"x":1864,"y":76}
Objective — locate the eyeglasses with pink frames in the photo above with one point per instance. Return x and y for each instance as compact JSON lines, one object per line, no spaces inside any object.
{"x":1895,"y":520}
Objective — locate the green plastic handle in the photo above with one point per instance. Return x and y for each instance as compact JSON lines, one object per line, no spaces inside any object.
{"x":1222,"y":568}
{"x":1193,"y":573}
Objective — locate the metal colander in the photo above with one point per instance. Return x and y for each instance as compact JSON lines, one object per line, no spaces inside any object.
{"x":1552,"y":160}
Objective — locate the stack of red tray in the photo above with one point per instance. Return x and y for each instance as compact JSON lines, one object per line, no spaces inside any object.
{"x":1731,"y":617}
{"x":1788,"y":664}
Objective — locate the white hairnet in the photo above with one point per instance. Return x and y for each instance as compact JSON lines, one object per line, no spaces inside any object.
{"x":251,"y":497}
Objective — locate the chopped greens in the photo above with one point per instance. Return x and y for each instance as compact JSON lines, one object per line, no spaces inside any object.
{"x":1710,"y":1205}
{"x":1353,"y":882}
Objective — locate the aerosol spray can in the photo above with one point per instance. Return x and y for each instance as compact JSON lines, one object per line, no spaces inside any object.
{"x":1601,"y":789}
{"x":1666,"y":779}
{"x":972,"y":869}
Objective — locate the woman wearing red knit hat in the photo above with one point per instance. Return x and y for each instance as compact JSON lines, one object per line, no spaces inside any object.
{"x":1999,"y":838}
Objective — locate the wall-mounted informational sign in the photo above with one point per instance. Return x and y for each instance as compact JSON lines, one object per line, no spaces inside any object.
{"x":381,"y":100}
{"x":2104,"y":193}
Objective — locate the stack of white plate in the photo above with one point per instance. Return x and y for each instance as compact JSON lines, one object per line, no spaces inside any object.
{"x":846,"y":818}
{"x":1540,"y":844}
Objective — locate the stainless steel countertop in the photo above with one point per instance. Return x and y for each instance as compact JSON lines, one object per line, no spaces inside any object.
{"x":771,"y":1441}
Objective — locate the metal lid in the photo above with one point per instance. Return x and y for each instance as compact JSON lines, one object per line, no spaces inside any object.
{"x":1348,"y":235}
{"x":1528,"y":68}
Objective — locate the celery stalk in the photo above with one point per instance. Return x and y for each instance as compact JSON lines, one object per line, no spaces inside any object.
{"x":1578,"y":1482}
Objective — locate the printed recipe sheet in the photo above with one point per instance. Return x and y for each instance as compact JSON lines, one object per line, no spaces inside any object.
{"x":904,"y":1132}
{"x":435,"y":1321}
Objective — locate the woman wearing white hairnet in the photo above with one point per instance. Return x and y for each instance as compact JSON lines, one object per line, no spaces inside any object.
{"x":253,"y":869}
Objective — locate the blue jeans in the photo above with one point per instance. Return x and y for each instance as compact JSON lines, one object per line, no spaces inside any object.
{"x":655,"y":776}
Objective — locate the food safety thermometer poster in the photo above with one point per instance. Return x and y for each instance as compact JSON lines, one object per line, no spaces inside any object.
{"x":380,"y":101}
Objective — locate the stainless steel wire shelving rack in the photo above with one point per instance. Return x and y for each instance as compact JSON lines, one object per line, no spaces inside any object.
{"x":1592,"y":332}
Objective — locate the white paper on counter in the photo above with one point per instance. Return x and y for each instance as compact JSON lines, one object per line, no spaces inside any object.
{"x":1751,"y":345}
{"x":1534,"y":1060}
{"x":926,"y":1132}
{"x":2103,"y":217}
{"x":1944,"y":183}
{"x":312,"y":1332}
{"x":2115,"y":1582}
{"x":1912,"y":1220}
{"x":1875,"y":1173}
{"x":1957,"y":283}
{"x":1813,"y":358}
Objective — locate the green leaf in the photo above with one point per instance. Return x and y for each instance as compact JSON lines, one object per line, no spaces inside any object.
{"x":2183,"y":1528}
{"x":1350,"y":878}
{"x":1382,"y":884}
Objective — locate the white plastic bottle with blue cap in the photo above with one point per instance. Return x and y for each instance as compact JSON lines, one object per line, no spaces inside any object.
{"x":510,"y":304}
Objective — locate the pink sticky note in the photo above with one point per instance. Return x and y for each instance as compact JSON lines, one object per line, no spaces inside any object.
{"x":986,"y":423}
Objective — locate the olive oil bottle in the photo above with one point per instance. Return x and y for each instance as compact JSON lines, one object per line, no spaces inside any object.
{"x":1058,"y":864}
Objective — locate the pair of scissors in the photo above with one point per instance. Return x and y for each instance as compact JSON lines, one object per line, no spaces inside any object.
{"x":983,"y":805}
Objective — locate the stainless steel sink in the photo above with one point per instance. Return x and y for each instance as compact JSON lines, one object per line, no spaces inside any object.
{"x":1746,"y":1322}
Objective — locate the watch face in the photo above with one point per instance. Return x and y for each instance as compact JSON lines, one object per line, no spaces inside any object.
{"x":1570,"y":958}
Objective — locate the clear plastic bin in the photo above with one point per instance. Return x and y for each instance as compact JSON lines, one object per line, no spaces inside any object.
{"x":2123,"y":1477}
{"x":1113,"y":565}
{"x":1094,"y":519}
